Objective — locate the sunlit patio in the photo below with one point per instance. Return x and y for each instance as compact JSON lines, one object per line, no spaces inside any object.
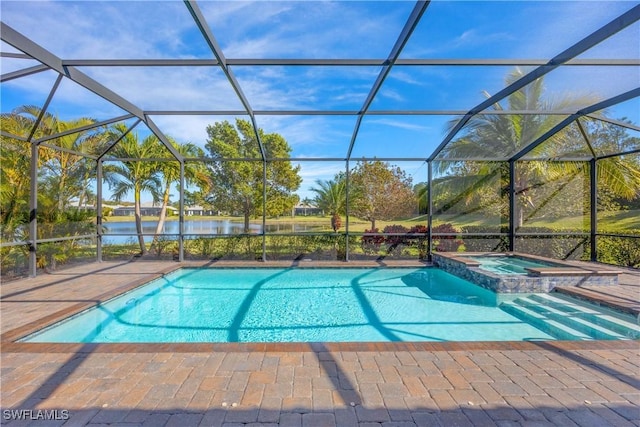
{"x":585,"y":383}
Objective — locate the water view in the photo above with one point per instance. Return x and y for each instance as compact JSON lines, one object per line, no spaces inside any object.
{"x":122,"y":232}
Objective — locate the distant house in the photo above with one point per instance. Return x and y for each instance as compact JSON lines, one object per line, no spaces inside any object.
{"x":304,"y":209}
{"x":197,"y":210}
{"x":146,"y":209}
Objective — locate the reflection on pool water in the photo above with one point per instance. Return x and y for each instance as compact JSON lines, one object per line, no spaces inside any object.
{"x":299,"y":305}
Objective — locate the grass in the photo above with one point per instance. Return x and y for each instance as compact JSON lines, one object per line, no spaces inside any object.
{"x":620,"y":221}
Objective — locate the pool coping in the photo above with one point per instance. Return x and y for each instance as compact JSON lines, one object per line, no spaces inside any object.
{"x":9,"y":345}
{"x":272,"y":347}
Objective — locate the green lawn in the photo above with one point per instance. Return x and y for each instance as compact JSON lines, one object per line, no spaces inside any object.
{"x":621,"y":221}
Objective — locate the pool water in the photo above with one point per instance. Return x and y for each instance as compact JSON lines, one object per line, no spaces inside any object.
{"x":507,"y":264}
{"x":298,"y":305}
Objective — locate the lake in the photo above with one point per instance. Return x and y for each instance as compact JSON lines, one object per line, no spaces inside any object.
{"x":200,"y":227}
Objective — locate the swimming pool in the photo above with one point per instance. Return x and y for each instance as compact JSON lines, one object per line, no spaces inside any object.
{"x":309,"y":305}
{"x":297,"y":305}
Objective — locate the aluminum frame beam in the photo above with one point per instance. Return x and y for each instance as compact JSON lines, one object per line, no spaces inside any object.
{"x":23,"y":73}
{"x":12,"y":136}
{"x":44,"y":108}
{"x":351,"y":112}
{"x":331,"y":62}
{"x":205,"y":30}
{"x":37,"y":52}
{"x":626,"y":153}
{"x":566,"y":122}
{"x":587,"y":140}
{"x":20,"y":42}
{"x":163,"y":138}
{"x":67,"y":150}
{"x":84,"y":128}
{"x":620,"y":123}
{"x":606,"y":31}
{"x":417,"y":12}
{"x":14,"y":55}
{"x":114,"y":143}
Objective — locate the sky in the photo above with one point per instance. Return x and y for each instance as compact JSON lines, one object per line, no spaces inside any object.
{"x":315,"y":29}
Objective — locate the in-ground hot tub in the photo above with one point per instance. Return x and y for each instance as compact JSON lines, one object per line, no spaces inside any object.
{"x":516,"y":273}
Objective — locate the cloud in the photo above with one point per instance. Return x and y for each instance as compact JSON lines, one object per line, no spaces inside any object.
{"x":307,"y":29}
{"x":310,"y":172}
{"x":312,"y":136}
{"x":191,"y":129}
{"x":399,"y":124}
{"x":107,"y":29}
{"x":389,"y":93}
{"x":169,"y":88}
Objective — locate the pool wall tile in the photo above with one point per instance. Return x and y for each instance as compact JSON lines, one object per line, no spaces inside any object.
{"x":519,"y":283}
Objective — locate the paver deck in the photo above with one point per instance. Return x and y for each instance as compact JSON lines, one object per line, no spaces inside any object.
{"x":595,"y":383}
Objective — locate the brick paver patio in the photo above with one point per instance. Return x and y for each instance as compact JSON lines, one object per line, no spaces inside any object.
{"x":386,"y":384}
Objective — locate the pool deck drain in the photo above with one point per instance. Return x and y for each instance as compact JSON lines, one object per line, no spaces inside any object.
{"x":595,"y":383}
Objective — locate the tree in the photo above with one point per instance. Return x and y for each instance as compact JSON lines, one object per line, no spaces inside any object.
{"x":15,"y":157}
{"x":63,"y":175}
{"x":237,"y":185}
{"x":494,"y":135}
{"x":194,"y":173}
{"x":331,"y":196}
{"x":66,"y":174}
{"x":134,"y":176}
{"x":383,"y":192}
{"x":421,"y":190}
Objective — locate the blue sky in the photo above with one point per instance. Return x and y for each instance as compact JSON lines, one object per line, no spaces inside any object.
{"x":315,"y":29}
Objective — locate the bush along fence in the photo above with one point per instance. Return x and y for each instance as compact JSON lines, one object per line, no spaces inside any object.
{"x":393,"y":242}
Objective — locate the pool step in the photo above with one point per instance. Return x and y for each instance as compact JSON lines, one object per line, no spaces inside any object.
{"x":545,"y":324}
{"x":604,"y":317}
{"x":566,"y":319}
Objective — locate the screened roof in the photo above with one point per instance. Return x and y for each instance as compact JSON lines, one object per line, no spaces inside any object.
{"x":339,"y":80}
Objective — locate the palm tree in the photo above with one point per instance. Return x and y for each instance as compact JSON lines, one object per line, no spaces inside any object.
{"x":489,"y":136}
{"x":15,"y":158}
{"x":331,"y":197}
{"x":63,"y":173}
{"x":194,"y":173}
{"x":134,"y":176}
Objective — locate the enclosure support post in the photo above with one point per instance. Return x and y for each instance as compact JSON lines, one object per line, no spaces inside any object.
{"x":99,"y":210}
{"x":33,"y":207}
{"x":346,"y":211}
{"x":264,"y":211}
{"x":181,"y":215}
{"x":429,"y":210}
{"x":593,"y":187}
{"x":512,"y":205}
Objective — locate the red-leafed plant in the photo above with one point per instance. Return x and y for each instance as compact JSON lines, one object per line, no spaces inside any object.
{"x":371,"y":244}
{"x":446,"y":243}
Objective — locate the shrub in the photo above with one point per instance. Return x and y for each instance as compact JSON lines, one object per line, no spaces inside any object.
{"x":492,"y":243}
{"x":371,"y":244}
{"x":395,"y":243}
{"x":623,"y":251}
{"x":446,"y":243}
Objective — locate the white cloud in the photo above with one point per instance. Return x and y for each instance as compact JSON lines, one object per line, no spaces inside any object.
{"x":387,"y":92}
{"x":105,"y":29}
{"x":307,"y":29}
{"x":188,"y":128}
{"x":399,"y":124}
